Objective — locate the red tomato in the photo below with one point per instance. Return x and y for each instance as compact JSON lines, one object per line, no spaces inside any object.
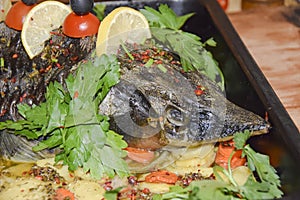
{"x":139,"y":155}
{"x":16,"y":15}
{"x":224,"y":152}
{"x":223,"y":3}
{"x":62,"y":194}
{"x":162,"y":176}
{"x":78,"y":26}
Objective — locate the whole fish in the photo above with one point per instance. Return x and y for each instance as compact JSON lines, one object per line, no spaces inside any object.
{"x":154,"y":105}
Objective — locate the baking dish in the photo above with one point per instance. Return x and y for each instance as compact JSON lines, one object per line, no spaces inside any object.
{"x":245,"y":83}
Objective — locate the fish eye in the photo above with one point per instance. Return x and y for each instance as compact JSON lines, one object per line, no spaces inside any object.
{"x":175,"y":116}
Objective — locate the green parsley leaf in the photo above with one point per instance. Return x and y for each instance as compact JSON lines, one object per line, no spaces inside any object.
{"x":165,"y":17}
{"x":165,"y":27}
{"x":259,"y":190}
{"x":69,"y":120}
{"x":99,"y":10}
{"x":112,"y":194}
{"x":241,"y":138}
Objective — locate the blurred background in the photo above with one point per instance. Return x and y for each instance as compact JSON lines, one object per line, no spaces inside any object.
{"x":238,"y":5}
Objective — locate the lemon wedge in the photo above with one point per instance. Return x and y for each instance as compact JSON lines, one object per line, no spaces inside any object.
{"x":5,"y":5}
{"x":123,"y":24}
{"x":38,"y":24}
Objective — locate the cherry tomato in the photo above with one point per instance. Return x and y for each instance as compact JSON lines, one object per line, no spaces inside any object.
{"x":78,"y":26}
{"x":223,"y":3}
{"x":16,"y":15}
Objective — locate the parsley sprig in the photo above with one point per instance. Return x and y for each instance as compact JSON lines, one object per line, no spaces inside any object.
{"x":266,"y":186}
{"x":69,"y":120}
{"x":166,"y":27}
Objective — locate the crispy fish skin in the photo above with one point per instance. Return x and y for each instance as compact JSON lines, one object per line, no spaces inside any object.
{"x":154,"y":108}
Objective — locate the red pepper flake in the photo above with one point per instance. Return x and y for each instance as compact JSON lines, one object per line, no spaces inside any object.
{"x":145,"y":57}
{"x":39,"y":177}
{"x":48,"y":68}
{"x":15,"y":55}
{"x":162,"y":53}
{"x":23,"y":97}
{"x":66,"y":52}
{"x":198,"y":92}
{"x":56,"y":33}
{"x":13,"y":80}
{"x":158,"y":62}
{"x":74,"y":58}
{"x":136,"y":56}
{"x":144,"y":53}
{"x":266,"y":116}
{"x":2,"y":10}
{"x":133,"y":194}
{"x":2,"y":113}
{"x":76,"y":94}
{"x":42,"y":71}
{"x":57,"y":180}
{"x":58,"y":65}
{"x":146,"y":191}
{"x":64,"y":183}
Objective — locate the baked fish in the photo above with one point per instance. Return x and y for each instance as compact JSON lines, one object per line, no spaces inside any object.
{"x":155,"y":105}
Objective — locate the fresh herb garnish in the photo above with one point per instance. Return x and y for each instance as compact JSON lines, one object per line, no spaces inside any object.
{"x":69,"y":119}
{"x":99,"y":11}
{"x":266,"y":186}
{"x":166,"y":28}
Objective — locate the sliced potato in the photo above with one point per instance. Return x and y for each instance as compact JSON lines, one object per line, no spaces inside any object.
{"x":157,"y":188}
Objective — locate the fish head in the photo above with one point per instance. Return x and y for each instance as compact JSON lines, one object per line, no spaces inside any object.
{"x":154,"y":108}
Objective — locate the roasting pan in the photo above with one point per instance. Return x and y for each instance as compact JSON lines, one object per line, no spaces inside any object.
{"x":245,"y":84}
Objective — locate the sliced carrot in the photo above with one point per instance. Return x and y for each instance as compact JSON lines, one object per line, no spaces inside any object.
{"x":139,"y":155}
{"x":63,"y":194}
{"x":225,"y":150}
{"x":161,"y":176}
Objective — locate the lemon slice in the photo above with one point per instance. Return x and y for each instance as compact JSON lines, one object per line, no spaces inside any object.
{"x":38,"y":24}
{"x":5,"y":5}
{"x":123,"y":24}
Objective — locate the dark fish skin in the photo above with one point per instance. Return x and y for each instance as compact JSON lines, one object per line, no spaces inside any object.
{"x":152,"y":108}
{"x":25,"y":80}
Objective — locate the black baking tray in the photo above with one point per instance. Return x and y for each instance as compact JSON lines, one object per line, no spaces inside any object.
{"x":246,"y":85}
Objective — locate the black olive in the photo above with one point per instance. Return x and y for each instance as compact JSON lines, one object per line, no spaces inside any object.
{"x":29,"y":2}
{"x":82,"y":7}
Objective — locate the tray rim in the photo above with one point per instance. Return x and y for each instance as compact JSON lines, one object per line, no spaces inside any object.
{"x":256,"y":77}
